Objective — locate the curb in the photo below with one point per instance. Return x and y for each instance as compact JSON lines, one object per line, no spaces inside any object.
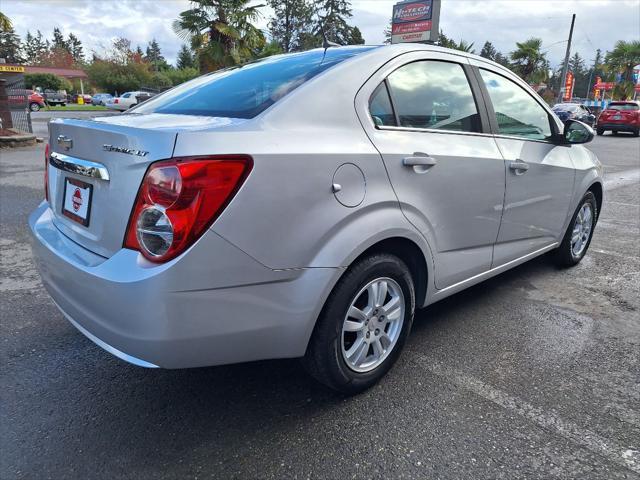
{"x":14,"y":141}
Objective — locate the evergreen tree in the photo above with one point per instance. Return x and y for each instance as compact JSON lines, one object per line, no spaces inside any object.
{"x":291,"y":21}
{"x":10,"y":46}
{"x":185,"y":58}
{"x":388,"y":33}
{"x":356,"y":37}
{"x":333,"y":20}
{"x":488,"y":51}
{"x":75,"y":48}
{"x":58,"y":41}
{"x":580,"y":74}
{"x":154,"y":56}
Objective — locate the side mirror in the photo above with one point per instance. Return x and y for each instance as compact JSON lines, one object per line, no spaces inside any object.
{"x":577,"y":132}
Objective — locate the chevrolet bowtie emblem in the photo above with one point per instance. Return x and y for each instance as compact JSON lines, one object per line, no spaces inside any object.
{"x":65,"y":142}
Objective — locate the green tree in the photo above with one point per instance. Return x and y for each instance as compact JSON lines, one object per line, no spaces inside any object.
{"x":58,"y":40}
{"x":291,"y":22}
{"x":488,"y":51}
{"x":46,"y":81}
{"x":10,"y":46}
{"x":388,"y":32}
{"x":529,"y":61}
{"x":154,"y":56}
{"x":178,"y":76}
{"x":333,"y":17}
{"x":185,"y":58}
{"x":356,"y":37}
{"x":623,"y":57}
{"x":447,"y":42}
{"x":5,"y":22}
{"x":35,"y":48}
{"x":230,"y":36}
{"x":122,"y":70}
{"x":271,"y":48}
{"x":74,"y":45}
{"x":580,"y":71}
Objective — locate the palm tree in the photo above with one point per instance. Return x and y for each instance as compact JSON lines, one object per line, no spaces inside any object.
{"x":528,"y":59}
{"x":623,"y":57}
{"x":5,"y":23}
{"x":221,"y":32}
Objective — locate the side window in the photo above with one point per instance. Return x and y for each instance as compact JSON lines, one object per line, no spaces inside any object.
{"x":517,"y":113}
{"x":434,"y":94}
{"x":126,"y":95}
{"x":380,"y":107}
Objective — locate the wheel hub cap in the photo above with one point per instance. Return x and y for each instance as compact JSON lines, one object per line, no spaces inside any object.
{"x":372,"y":325}
{"x":581,"y":230}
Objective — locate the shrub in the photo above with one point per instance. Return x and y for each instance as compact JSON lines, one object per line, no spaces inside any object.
{"x":46,"y":81}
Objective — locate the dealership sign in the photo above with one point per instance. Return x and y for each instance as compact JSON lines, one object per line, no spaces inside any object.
{"x":568,"y":87}
{"x":415,"y":21}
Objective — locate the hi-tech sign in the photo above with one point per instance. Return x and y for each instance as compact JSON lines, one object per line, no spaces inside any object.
{"x":414,"y":21}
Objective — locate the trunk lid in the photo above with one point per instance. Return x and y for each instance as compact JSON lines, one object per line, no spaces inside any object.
{"x":119,"y":145}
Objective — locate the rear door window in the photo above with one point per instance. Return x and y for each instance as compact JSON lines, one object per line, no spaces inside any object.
{"x":380,"y":107}
{"x":434,"y":95}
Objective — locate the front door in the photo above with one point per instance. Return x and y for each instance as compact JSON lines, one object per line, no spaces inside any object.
{"x":539,"y":173}
{"x":447,"y":173}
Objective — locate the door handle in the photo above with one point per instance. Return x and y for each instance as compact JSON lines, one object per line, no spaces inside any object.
{"x":519,"y":167}
{"x":420,"y":162}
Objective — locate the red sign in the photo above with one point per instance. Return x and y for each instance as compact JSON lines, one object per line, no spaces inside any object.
{"x":77,"y":200}
{"x":412,"y":12}
{"x":402,"y":28}
{"x":568,"y":87}
{"x":604,"y":85}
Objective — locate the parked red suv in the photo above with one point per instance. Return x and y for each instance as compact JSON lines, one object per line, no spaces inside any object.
{"x":620,"y":117}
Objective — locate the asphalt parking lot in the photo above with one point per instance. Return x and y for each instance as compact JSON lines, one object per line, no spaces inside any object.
{"x":534,"y":374}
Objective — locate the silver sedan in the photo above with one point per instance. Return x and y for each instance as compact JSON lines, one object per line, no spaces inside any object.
{"x":305,"y":205}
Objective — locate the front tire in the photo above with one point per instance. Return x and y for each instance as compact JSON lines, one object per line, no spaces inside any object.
{"x":578,"y":236}
{"x":600,"y":131}
{"x":34,"y":107}
{"x":363,"y":325}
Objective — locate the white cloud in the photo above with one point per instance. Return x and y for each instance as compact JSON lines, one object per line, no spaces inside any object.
{"x":599,"y":23}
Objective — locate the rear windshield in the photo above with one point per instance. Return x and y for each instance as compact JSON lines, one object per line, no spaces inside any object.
{"x":246,"y":91}
{"x":623,"y":106}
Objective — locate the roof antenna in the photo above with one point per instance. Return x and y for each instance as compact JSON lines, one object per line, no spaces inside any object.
{"x":326,"y":43}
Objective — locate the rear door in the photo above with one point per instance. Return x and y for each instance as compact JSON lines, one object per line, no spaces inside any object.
{"x":429,"y":125}
{"x":539,"y":173}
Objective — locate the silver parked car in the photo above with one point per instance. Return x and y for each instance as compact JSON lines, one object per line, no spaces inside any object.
{"x":305,"y":205}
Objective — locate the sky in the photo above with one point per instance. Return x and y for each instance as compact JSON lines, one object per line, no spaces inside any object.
{"x":599,"y":23}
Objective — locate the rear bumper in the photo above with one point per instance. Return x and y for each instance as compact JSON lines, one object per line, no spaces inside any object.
{"x":621,"y":127}
{"x":213,"y":305}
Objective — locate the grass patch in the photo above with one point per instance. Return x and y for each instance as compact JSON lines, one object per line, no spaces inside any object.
{"x":73,"y":107}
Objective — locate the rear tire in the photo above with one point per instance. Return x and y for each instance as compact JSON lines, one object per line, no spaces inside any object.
{"x":34,"y":107}
{"x":578,"y":236}
{"x":600,"y":131}
{"x":636,"y":133}
{"x":614,"y":132}
{"x":348,"y":353}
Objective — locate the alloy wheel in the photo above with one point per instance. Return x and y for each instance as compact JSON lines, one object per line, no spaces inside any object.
{"x":372,"y":325}
{"x":581,"y":230}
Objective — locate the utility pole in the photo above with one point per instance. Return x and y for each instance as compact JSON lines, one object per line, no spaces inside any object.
{"x":565,"y":67}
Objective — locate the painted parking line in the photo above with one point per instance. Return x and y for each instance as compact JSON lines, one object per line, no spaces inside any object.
{"x":624,"y":456}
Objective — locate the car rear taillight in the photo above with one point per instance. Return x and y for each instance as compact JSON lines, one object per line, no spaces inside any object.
{"x":115,"y":101}
{"x":179,"y":199}
{"x":46,"y":172}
